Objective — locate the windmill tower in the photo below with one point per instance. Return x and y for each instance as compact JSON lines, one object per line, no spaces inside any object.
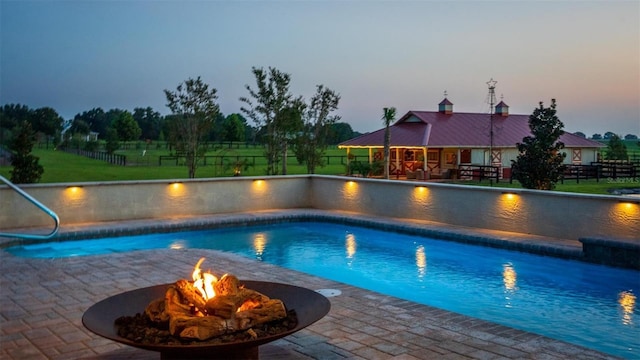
{"x":492,"y":100}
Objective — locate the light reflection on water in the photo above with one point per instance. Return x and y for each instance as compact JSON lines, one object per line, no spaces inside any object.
{"x":259,"y":244}
{"x":627,"y":302}
{"x":585,"y":304}
{"x":421,"y":261}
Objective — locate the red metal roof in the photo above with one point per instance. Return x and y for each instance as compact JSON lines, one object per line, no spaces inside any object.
{"x":436,"y":129}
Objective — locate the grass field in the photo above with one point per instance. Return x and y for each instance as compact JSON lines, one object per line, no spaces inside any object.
{"x":60,"y":166}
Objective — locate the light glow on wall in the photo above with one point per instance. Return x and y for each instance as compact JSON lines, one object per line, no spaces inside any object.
{"x":351,"y":190}
{"x":420,"y":193}
{"x":74,"y":193}
{"x":508,"y":200}
{"x":259,"y":186}
{"x":176,"y":189}
{"x":625,"y":213}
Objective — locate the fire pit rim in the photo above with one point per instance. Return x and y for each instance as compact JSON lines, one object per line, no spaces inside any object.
{"x":100,"y":317}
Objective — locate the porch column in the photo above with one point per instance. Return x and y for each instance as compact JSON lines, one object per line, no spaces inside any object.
{"x":424,"y":159}
{"x":397,"y":162}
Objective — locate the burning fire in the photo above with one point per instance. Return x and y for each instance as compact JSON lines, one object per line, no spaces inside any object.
{"x":204,"y":282}
{"x":210,"y":307}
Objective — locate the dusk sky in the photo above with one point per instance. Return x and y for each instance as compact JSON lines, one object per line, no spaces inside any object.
{"x":77,"y":55}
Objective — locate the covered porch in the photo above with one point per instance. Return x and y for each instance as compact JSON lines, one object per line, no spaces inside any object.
{"x":431,"y":163}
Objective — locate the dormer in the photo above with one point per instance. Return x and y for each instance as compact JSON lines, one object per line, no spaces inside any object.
{"x":502,"y":109}
{"x":445,"y":107}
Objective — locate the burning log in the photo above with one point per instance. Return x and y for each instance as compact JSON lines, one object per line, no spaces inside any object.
{"x":230,"y":308}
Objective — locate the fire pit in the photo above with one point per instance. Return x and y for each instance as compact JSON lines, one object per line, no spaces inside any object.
{"x":308,"y":305}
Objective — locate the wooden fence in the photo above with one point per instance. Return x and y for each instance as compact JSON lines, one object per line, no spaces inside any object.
{"x":114,"y":159}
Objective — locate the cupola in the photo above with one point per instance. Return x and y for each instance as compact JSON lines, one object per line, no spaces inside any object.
{"x":445,"y":107}
{"x":502,"y":109}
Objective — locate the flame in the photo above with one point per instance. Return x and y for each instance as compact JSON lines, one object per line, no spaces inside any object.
{"x":204,"y":282}
{"x":248,"y":305}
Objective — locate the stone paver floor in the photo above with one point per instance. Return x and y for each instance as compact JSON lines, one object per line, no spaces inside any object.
{"x":42,"y":302}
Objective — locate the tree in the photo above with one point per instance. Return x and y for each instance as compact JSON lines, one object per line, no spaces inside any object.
{"x":540,"y":162}
{"x":233,"y":128}
{"x":47,"y":122}
{"x":26,"y":168}
{"x":596,"y":137}
{"x":631,"y":137}
{"x":10,"y":116}
{"x":195,"y":107}
{"x":113,"y":143}
{"x":388,"y":116}
{"x":150,"y":122}
{"x":264,"y":105}
{"x":339,"y":132}
{"x":126,"y":127}
{"x":616,"y":149}
{"x":608,"y":135}
{"x":581,"y":134}
{"x":314,"y":139}
{"x":96,"y":120}
{"x":287,"y":123}
{"x":79,"y":126}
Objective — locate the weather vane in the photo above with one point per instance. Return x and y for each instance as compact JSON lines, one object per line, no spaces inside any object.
{"x":445,"y":93}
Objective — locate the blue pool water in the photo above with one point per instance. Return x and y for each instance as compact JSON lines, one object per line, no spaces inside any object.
{"x":585,"y":304}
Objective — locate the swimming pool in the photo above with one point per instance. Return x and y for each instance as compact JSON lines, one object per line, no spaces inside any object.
{"x":585,"y":304}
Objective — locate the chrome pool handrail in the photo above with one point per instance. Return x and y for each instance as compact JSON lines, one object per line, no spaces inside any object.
{"x":42,"y":207}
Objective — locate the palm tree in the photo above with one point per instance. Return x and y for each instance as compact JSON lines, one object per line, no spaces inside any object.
{"x":388,"y":117}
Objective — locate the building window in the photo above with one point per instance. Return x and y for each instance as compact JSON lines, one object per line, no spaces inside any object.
{"x":432,"y":155}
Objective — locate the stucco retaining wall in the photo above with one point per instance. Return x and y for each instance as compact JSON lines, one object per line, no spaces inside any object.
{"x":553,"y":214}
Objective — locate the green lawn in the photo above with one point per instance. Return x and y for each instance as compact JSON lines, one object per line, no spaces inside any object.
{"x":585,"y":186}
{"x":64,"y":167}
{"x":60,"y":166}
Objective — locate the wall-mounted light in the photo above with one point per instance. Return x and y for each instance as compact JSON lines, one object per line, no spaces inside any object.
{"x":74,"y":193}
{"x":259,"y":186}
{"x":176,"y":188}
{"x":510,"y":194}
{"x":420,"y":194}
{"x":350,"y":190}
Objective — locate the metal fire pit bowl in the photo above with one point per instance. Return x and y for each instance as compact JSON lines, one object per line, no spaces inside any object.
{"x":100,"y":318}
